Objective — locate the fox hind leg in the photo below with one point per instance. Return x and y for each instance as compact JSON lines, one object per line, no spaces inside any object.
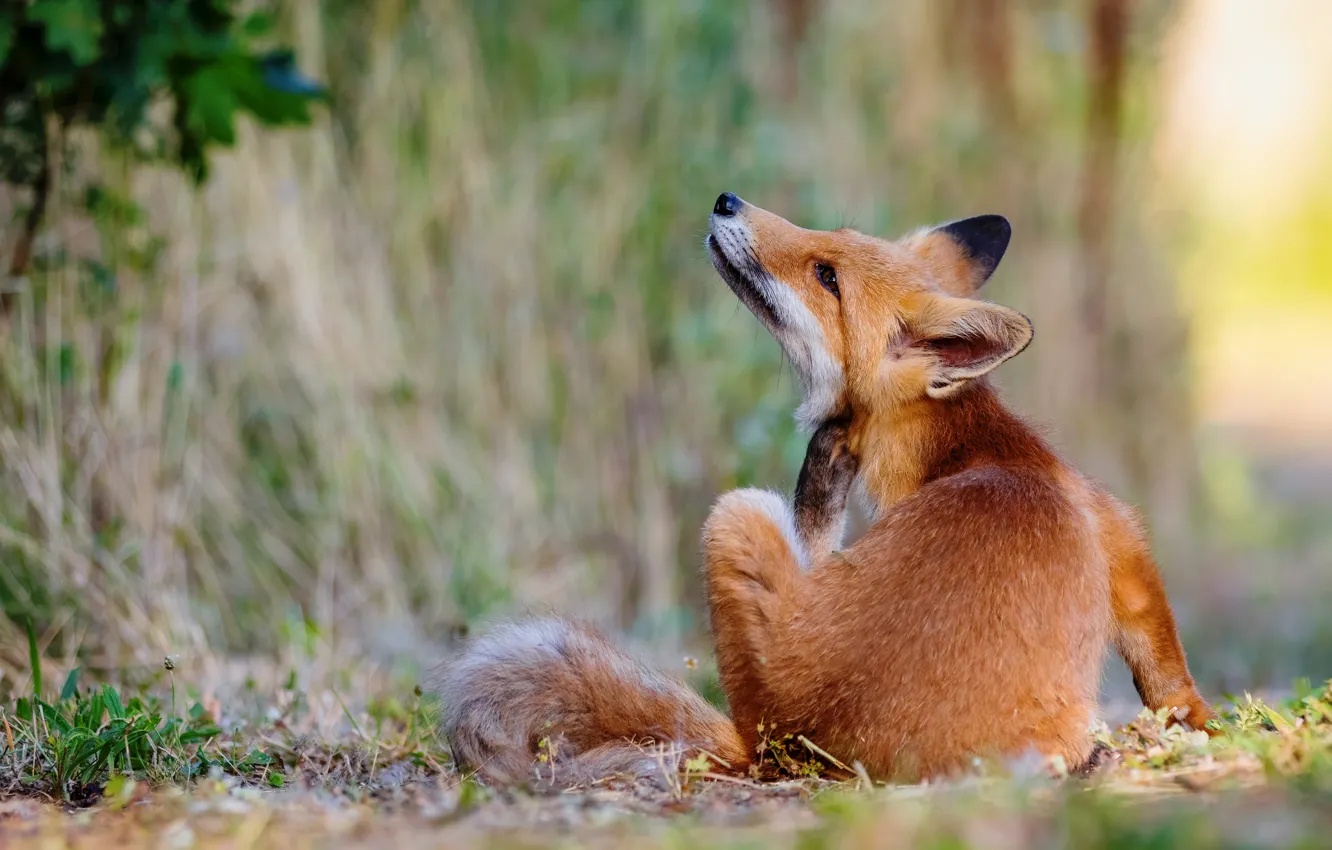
{"x":756,"y":550}
{"x":753,"y":561}
{"x":1145,"y":632}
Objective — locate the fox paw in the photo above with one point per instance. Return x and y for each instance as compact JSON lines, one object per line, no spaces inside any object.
{"x":1196,"y":715}
{"x":830,"y":467}
{"x":825,"y":482}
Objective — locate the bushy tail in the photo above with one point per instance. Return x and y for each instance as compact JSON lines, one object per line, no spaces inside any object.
{"x":558,"y":689}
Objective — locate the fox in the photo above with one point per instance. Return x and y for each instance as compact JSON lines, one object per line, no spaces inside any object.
{"x":970,"y":620}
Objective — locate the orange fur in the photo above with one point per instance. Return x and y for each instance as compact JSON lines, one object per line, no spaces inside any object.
{"x":970,"y":621}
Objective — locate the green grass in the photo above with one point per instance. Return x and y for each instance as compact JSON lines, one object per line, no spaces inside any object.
{"x":92,"y":740}
{"x":71,"y":747}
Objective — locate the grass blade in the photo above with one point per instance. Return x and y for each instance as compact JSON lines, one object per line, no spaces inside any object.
{"x":34,"y":658}
{"x":115,"y":709}
{"x":71,"y":688}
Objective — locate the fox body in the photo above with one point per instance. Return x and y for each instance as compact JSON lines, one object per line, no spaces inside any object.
{"x":971,"y":620}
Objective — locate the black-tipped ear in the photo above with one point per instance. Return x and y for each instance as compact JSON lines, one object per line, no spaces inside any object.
{"x":983,"y":239}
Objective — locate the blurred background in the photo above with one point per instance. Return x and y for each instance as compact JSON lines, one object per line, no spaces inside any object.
{"x":455,"y":351}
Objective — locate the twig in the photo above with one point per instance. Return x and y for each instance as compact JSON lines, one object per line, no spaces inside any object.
{"x":734,"y":780}
{"x":819,"y":751}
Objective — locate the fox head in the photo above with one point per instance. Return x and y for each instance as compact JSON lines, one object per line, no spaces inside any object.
{"x":870,"y":323}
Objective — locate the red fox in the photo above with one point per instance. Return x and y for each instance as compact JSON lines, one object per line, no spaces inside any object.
{"x":970,"y":621}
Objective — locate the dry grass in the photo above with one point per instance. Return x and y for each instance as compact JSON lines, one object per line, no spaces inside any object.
{"x":369,"y":773}
{"x":456,"y":349}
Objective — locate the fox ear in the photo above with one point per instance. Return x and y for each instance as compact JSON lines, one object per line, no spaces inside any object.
{"x":969,"y":339}
{"x":966,"y":252}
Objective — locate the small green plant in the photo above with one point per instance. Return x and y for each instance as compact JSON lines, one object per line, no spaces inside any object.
{"x":791,"y":755}
{"x":548,"y":751}
{"x":83,"y":739}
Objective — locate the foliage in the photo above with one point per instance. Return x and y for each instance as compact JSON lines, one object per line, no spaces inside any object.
{"x":105,"y":63}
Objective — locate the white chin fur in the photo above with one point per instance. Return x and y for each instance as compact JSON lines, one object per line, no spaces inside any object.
{"x":816,"y":408}
{"x":801,"y":338}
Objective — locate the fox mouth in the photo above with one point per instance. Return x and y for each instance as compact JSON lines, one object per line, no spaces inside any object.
{"x":743,"y":282}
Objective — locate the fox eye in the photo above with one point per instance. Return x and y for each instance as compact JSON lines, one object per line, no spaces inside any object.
{"x":827,"y":276}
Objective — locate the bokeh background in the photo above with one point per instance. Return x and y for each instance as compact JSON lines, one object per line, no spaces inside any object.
{"x":456,"y":351}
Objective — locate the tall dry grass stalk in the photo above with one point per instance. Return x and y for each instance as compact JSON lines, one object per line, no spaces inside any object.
{"x":456,"y":350}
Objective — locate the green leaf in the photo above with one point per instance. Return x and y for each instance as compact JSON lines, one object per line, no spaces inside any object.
{"x":212,"y":103}
{"x":271,"y":89}
{"x":699,"y":764}
{"x":35,"y":659}
{"x":68,"y":362}
{"x":55,"y":721}
{"x":119,"y":791}
{"x":114,"y":708}
{"x":175,"y":376}
{"x":257,"y":25}
{"x":1303,"y":687}
{"x":470,"y":794}
{"x":7,"y":27}
{"x":94,"y":708}
{"x":202,"y":733}
{"x":256,"y":758}
{"x":71,"y":26}
{"x":276,"y":780}
{"x":71,"y":688}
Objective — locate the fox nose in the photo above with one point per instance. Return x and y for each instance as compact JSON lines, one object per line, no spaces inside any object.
{"x":727,"y":204}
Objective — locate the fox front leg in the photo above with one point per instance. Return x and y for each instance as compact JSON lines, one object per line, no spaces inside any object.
{"x":823,"y":487}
